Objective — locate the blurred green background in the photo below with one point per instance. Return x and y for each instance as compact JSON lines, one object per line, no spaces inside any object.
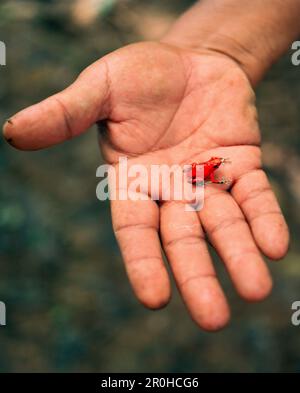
{"x":69,"y":305}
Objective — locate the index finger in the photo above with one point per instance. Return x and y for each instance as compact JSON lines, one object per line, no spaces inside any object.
{"x":136,"y":226}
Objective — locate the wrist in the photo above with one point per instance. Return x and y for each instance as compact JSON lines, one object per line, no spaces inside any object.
{"x":253,"y":34}
{"x":220,"y":45}
{"x":252,"y":61}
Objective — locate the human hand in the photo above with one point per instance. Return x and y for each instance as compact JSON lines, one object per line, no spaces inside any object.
{"x":166,"y":105}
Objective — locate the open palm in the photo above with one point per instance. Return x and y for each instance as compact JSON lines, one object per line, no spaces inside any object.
{"x":158,"y":104}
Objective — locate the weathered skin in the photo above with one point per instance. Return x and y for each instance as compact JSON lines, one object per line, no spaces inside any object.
{"x":161,"y":104}
{"x":209,"y":168}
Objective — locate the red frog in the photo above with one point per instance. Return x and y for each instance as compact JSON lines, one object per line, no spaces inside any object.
{"x":209,"y":167}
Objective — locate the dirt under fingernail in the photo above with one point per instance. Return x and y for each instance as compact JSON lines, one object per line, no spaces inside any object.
{"x":8,"y":140}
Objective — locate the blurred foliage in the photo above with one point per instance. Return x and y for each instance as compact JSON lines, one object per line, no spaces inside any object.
{"x":69,"y":304}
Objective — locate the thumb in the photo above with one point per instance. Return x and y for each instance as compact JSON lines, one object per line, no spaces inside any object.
{"x":63,"y":115}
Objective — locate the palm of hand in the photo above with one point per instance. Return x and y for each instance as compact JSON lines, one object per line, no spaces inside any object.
{"x":177,"y":108}
{"x":165,"y":105}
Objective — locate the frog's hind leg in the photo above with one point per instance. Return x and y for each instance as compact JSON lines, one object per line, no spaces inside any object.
{"x":200,"y":183}
{"x":196,"y":182}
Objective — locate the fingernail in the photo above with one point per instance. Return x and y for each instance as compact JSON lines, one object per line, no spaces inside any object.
{"x":9,"y":121}
{"x":7,"y":138}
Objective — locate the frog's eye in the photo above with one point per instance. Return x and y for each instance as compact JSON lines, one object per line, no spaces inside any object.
{"x":216,"y":166}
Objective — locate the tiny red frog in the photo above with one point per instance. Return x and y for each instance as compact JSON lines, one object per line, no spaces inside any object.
{"x":209,"y":167}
